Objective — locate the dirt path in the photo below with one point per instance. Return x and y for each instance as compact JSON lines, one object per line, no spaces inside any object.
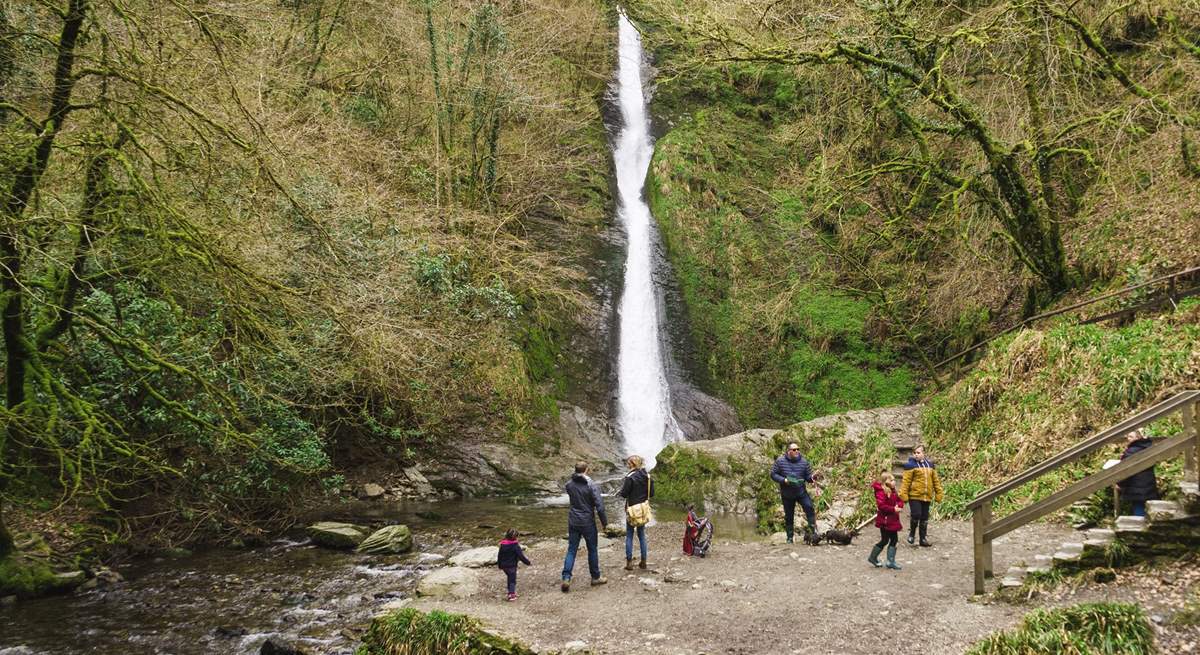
{"x":758,"y":597}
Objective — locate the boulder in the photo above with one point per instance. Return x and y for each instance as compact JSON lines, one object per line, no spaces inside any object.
{"x":370,"y":490}
{"x":455,"y":581}
{"x":419,"y":482}
{"x":476,"y":557}
{"x":391,"y":540}
{"x":331,"y":534}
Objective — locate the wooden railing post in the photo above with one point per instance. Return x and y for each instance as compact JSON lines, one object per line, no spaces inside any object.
{"x":981,"y":517}
{"x":1191,"y":460}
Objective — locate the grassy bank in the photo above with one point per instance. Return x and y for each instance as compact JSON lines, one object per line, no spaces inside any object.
{"x":1087,"y":629}
{"x":410,"y":632}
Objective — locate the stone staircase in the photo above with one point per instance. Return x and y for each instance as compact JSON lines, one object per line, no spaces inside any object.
{"x":1170,"y":528}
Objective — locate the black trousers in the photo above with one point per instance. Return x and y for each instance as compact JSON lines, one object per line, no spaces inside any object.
{"x":918,"y":511}
{"x":789,"y":512}
{"x":887,"y":538}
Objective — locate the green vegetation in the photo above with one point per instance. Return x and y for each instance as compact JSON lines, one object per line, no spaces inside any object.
{"x":1039,"y":391}
{"x":224,"y":289}
{"x":851,"y":195}
{"x":1086,"y":629}
{"x":410,"y":632}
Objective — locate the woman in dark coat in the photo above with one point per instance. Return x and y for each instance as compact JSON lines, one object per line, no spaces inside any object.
{"x":1139,"y":487}
{"x":636,"y":489}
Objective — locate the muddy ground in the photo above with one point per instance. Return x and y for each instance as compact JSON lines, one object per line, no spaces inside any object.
{"x":758,"y":597}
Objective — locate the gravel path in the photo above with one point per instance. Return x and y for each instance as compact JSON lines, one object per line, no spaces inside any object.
{"x":758,"y":598}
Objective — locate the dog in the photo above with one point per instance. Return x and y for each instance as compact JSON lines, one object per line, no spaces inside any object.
{"x":813,"y":538}
{"x":842,"y":537}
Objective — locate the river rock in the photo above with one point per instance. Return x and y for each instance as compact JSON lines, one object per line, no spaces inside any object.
{"x":701,"y":416}
{"x":370,"y":490}
{"x":275,"y":646}
{"x":476,"y":557}
{"x":331,"y":534}
{"x":392,"y":540}
{"x":419,"y":482}
{"x":575,"y":647}
{"x":456,"y":581}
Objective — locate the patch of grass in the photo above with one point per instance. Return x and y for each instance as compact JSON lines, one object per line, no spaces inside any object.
{"x":410,"y":632}
{"x":685,"y":475}
{"x":1086,"y":629}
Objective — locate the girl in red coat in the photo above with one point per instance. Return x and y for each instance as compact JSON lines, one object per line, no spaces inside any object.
{"x":887,"y":519}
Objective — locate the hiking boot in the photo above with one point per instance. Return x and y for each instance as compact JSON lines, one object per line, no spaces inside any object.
{"x":642,"y":564}
{"x":926,"y":544}
{"x":566,"y":585}
{"x":789,"y":539}
{"x":512,"y":597}
{"x":891,"y":559}
{"x":629,"y":564}
{"x":874,"y":556}
{"x":599,"y":581}
{"x":911,"y":538}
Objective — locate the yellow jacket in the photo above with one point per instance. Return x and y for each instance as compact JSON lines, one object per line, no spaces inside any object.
{"x":920,"y":482}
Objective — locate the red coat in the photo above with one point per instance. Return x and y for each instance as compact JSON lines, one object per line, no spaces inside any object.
{"x":889,"y":506}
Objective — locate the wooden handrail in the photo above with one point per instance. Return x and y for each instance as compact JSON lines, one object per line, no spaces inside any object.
{"x":1063,"y":310}
{"x":1090,"y":485}
{"x":1082,"y":448}
{"x":1187,"y":443}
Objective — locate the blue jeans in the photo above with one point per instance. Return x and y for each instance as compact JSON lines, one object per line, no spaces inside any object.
{"x":641,"y":535}
{"x":588,"y":534}
{"x":1139,"y":507}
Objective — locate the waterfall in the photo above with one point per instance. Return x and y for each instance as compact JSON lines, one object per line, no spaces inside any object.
{"x":644,"y":396}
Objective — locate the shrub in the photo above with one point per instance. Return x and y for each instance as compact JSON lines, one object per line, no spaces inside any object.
{"x":1086,"y":629}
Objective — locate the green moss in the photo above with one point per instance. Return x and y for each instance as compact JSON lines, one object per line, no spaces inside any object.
{"x":26,"y":578}
{"x":410,"y":632}
{"x":1086,"y":629}
{"x":685,"y":476}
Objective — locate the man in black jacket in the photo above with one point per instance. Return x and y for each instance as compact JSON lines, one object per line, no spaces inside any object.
{"x":585,"y":500}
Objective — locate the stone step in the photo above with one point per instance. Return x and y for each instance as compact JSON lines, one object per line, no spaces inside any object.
{"x":1162,"y":510}
{"x":1190,"y":495}
{"x":1069,"y":552}
{"x":1130,"y":524}
{"x":1098,"y":537}
{"x":1041,"y":564}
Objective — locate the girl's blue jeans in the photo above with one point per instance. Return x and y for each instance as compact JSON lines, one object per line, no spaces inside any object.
{"x":641,"y":535}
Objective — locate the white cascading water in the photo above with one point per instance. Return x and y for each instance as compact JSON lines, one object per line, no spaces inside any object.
{"x":644,"y":397}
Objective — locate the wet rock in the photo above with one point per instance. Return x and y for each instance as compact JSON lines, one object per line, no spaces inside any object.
{"x":230,"y":631}
{"x":331,"y":534}
{"x":392,"y":540}
{"x":476,"y":557}
{"x":6,"y":601}
{"x":701,"y":416}
{"x":275,"y":646}
{"x":394,"y":605}
{"x":429,"y":516}
{"x":456,"y":581}
{"x":370,"y":490}
{"x":18,"y":650}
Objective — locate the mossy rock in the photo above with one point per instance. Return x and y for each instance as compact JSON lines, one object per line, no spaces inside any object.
{"x":341,"y":536}
{"x":391,"y":540}
{"x":26,"y":577}
{"x":436,"y":633}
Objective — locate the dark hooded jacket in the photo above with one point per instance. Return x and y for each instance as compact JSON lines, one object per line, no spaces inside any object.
{"x":798,"y":469}
{"x":636,"y":488}
{"x":1142,"y":486}
{"x":585,"y":498}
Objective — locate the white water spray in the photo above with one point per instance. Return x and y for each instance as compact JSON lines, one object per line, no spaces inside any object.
{"x":644,"y":397}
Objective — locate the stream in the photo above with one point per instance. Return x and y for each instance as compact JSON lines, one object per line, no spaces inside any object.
{"x":231,"y":601}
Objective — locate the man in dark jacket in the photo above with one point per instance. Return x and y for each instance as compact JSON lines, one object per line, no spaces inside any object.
{"x":791,"y":471}
{"x":585,"y":500}
{"x":1142,"y":486}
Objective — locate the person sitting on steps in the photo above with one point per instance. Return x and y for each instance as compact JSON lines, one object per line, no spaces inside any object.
{"x":585,"y":500}
{"x":792,"y":472}
{"x":919,"y":487}
{"x":1141,"y":486}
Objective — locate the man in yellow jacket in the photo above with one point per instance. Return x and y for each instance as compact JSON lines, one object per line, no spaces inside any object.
{"x":919,"y":487}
